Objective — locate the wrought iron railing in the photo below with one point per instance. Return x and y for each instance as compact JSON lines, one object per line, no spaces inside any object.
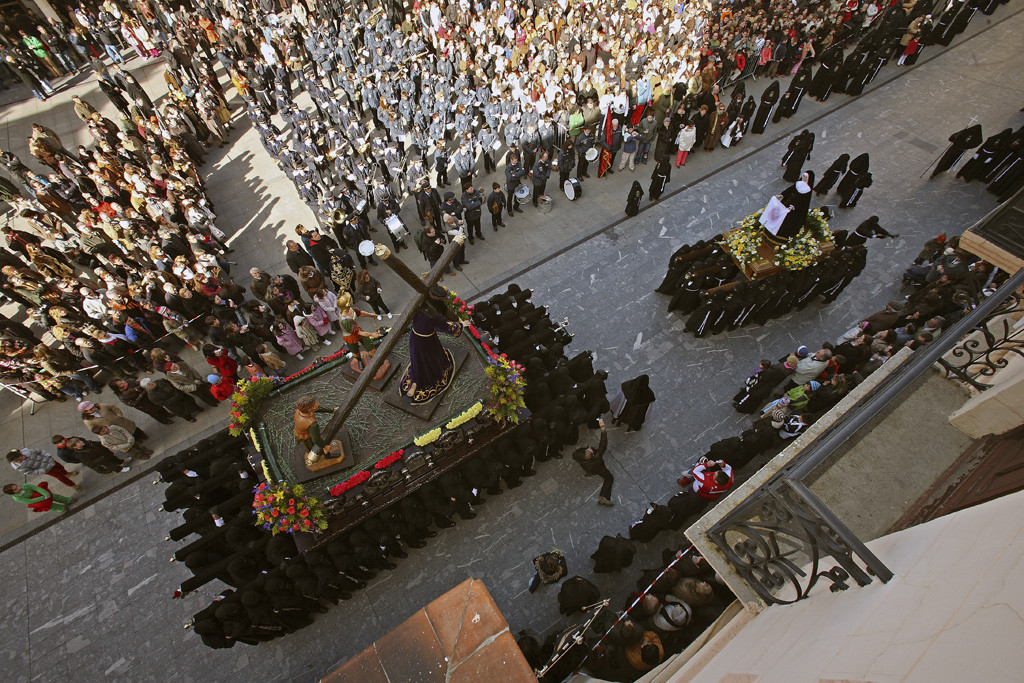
{"x":769,"y":537}
{"x":989,"y":346}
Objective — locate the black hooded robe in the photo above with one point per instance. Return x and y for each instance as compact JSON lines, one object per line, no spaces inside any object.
{"x":854,"y":177}
{"x":764,"y":112}
{"x":985,"y":159}
{"x":659,"y":178}
{"x":799,"y":152}
{"x":636,"y":193}
{"x":960,"y":142}
{"x":829,"y":178}
{"x":632,"y":403}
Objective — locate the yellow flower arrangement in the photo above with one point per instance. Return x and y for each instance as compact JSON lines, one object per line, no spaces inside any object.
{"x":429,"y":437}
{"x":466,"y":415}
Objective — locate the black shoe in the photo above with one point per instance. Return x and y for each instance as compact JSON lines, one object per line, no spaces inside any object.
{"x":520,"y":210}
{"x":609,"y":172}
{"x":430,"y":533}
{"x":447,"y":524}
{"x":465,"y":263}
{"x":401,"y":554}
{"x":417,"y":544}
{"x":500,"y":225}
{"x":458,"y":268}
{"x":481,"y":238}
{"x":472,"y":242}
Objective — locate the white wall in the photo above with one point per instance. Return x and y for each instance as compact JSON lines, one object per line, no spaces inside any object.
{"x":953,"y":612}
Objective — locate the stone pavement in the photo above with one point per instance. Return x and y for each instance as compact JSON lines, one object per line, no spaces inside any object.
{"x":91,"y":595}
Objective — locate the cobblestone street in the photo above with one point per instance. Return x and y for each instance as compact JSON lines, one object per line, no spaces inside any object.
{"x":89,"y":598}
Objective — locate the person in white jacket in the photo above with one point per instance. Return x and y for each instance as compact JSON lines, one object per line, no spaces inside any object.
{"x":684,"y":141}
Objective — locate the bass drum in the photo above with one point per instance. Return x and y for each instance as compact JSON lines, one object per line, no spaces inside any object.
{"x":573,"y":189}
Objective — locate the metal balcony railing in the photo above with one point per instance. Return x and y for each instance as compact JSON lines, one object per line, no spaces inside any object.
{"x":781,"y":528}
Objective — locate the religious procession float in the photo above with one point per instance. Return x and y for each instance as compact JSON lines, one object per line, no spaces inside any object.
{"x":773,"y":261}
{"x":353,"y":433}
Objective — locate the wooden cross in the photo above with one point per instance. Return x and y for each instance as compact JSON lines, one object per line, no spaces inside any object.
{"x":396,"y":333}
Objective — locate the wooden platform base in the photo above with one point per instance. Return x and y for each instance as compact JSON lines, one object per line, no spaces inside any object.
{"x":394,"y":397}
{"x":324,"y":466}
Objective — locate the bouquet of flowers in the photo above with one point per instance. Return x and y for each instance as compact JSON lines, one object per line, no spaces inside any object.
{"x":817,"y":226}
{"x":246,"y":401}
{"x":799,"y":252}
{"x":282,"y":508}
{"x":508,"y":388}
{"x":743,"y":242}
{"x":457,"y":306}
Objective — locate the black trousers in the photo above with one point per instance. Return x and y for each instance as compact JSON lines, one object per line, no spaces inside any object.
{"x":606,"y":482}
{"x":495,"y":220}
{"x":538,"y":190}
{"x":473,"y":227}
{"x":513,"y":201}
{"x":583,"y":166}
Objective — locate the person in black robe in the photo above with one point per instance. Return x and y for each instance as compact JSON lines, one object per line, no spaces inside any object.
{"x":985,"y":159}
{"x":758,"y":386}
{"x":769,"y":98}
{"x":780,"y":110}
{"x":937,"y":36}
{"x":829,"y":178}
{"x":798,"y":152}
{"x":1009,"y":174}
{"x":689,"y":297}
{"x":613,"y":554}
{"x":961,"y":20}
{"x":824,"y":79}
{"x":797,"y":198}
{"x":659,"y":178}
{"x":636,"y":193}
{"x":960,"y":142}
{"x":747,"y":112}
{"x":856,"y":179}
{"x":632,"y":403}
{"x":797,"y":89}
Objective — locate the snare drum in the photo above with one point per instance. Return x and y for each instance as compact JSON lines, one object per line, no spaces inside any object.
{"x":573,"y":189}
{"x":361,"y":206}
{"x":524,"y":191}
{"x":397,"y":228}
{"x":592,"y":154}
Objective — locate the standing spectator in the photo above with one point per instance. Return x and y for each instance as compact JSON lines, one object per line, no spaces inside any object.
{"x":118,"y":439}
{"x":133,"y":394}
{"x":647,"y":131}
{"x":221,"y":388}
{"x":91,"y":454}
{"x":178,"y":402}
{"x":31,"y":461}
{"x":106,"y":414}
{"x":38,"y":498}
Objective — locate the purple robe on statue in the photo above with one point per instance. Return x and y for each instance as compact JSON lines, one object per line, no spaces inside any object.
{"x":431,"y":365}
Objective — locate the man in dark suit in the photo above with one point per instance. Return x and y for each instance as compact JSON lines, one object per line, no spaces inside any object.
{"x":592,"y":463}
